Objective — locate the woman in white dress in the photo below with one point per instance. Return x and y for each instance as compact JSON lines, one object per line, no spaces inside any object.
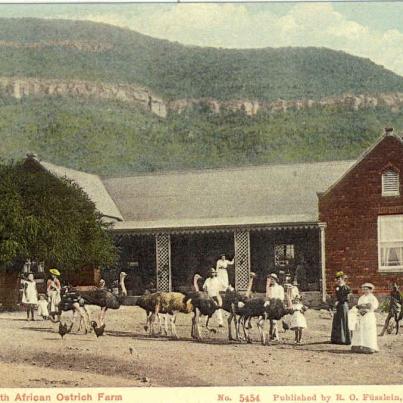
{"x":222,"y":273}
{"x":364,"y":332}
{"x":30,"y":295}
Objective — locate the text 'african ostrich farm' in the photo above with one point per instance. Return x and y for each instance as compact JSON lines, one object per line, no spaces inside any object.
{"x":60,"y":397}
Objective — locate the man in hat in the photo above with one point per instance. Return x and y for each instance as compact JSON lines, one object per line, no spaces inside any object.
{"x":222,"y":272}
{"x":274,"y":290}
{"x":213,"y":286}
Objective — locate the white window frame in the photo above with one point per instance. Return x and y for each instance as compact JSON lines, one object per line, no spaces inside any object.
{"x":381,"y":244}
{"x":390,"y":192}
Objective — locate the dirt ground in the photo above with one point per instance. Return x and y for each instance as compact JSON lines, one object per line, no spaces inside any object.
{"x":33,"y":354}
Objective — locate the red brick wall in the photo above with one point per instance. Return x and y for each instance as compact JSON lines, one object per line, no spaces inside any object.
{"x":9,"y":285}
{"x":351,"y":209}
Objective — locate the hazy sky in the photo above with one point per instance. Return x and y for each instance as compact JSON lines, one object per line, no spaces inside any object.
{"x":367,"y":29}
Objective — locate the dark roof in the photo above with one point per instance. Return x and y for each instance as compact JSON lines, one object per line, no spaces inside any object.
{"x":91,"y":184}
{"x":253,"y":195}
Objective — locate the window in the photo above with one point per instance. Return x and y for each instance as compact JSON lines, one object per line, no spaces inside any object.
{"x":283,"y":254}
{"x":390,"y":243}
{"x":390,"y":183}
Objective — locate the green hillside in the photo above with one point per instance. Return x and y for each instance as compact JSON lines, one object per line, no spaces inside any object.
{"x":114,"y":139}
{"x":43,"y":48}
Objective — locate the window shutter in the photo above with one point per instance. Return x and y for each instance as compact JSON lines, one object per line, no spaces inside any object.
{"x":390,"y":183}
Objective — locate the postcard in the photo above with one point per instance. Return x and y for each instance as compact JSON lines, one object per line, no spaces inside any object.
{"x":201,"y":202}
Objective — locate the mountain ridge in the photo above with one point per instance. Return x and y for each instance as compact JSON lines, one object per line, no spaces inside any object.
{"x":89,"y":51}
{"x":111,"y":101}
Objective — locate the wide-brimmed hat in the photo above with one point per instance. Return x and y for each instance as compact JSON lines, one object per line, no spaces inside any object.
{"x":368,"y":285}
{"x":55,"y":272}
{"x":273,"y":275}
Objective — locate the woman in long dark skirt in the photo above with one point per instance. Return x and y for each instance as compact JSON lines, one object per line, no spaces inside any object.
{"x":340,"y":331}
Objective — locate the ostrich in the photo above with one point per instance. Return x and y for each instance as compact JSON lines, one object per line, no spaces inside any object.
{"x":72,"y":301}
{"x":163,"y":303}
{"x":104,"y":298}
{"x":230,"y":304}
{"x":202,"y":305}
{"x":271,"y":309}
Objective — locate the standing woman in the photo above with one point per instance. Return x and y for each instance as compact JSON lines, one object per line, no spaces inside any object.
{"x":340,"y":329}
{"x":30,"y":295}
{"x":53,"y":290}
{"x":222,"y":273}
{"x":365,"y":339}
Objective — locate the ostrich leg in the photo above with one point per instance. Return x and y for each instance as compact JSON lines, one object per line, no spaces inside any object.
{"x":192,"y":333}
{"x":197,"y":324}
{"x":165,"y":324}
{"x":397,"y":320}
{"x":389,"y":317}
{"x":245,"y":330}
{"x":173,"y":326}
{"x":230,"y":317}
{"x":83,"y":313}
{"x":262,"y":326}
{"x":102,"y":315}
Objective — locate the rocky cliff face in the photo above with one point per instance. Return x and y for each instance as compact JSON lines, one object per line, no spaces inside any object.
{"x":394,"y":101}
{"x":20,"y":87}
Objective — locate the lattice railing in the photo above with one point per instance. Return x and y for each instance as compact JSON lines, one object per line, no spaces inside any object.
{"x":163,"y":255}
{"x":242,"y":259}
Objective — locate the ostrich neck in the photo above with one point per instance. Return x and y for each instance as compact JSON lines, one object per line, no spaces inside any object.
{"x":123,"y":286}
{"x":249,"y":289}
{"x":195,"y":285}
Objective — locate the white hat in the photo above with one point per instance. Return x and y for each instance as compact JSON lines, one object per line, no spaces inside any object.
{"x":273,"y":275}
{"x":368,"y":285}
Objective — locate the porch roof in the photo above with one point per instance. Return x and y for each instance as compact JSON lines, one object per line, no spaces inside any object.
{"x":258,"y":195}
{"x":207,"y":224}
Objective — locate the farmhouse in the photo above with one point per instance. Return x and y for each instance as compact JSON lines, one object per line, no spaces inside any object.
{"x":326,"y":216}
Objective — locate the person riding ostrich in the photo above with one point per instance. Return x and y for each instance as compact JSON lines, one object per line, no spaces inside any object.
{"x":104,"y":298}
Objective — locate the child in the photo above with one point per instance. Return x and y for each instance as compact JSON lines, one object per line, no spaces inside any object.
{"x":30,"y":295}
{"x":43,"y":307}
{"x":298,"y":321}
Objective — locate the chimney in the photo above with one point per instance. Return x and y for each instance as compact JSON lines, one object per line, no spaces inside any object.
{"x":388,"y":131}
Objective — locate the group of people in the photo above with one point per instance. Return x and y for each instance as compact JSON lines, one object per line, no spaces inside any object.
{"x":46,"y":304}
{"x":357,"y":326}
{"x":288,"y":293}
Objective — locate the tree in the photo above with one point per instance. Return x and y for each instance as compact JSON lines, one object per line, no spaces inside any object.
{"x":49,"y":219}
